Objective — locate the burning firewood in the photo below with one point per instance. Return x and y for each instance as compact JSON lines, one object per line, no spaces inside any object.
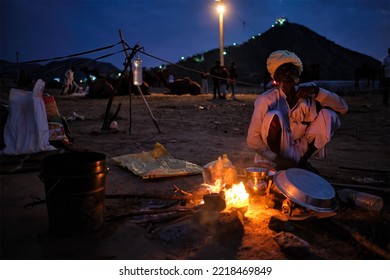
{"x":214,"y":202}
{"x":195,"y":198}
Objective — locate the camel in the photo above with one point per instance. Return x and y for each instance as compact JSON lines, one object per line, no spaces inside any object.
{"x":180,"y":86}
{"x":99,"y":88}
{"x":104,"y":87}
{"x":365,"y":71}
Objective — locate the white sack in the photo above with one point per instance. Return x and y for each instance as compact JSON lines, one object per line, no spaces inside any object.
{"x":26,"y":130}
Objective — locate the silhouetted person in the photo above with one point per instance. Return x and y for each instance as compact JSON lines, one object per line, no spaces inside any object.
{"x":171,"y":78}
{"x":70,"y":85}
{"x":224,"y":82}
{"x":204,"y":82}
{"x":215,"y":72}
{"x":233,"y":78}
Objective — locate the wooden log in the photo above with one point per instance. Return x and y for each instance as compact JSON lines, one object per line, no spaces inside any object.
{"x":115,"y":114}
{"x":195,"y":197}
{"x":214,"y":202}
{"x":364,"y":242}
{"x":127,"y":64}
{"x":155,"y":216}
{"x":292,"y":245}
{"x":280,"y":223}
{"x":149,"y":196}
{"x":230,"y":228}
{"x":149,"y":110}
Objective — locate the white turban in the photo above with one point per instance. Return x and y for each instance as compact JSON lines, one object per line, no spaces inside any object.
{"x":278,"y":58}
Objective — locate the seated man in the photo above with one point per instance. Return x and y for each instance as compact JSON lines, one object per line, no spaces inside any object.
{"x":292,"y":122}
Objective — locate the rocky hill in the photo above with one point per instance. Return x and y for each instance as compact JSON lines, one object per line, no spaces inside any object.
{"x":323,"y":59}
{"x":334,"y":61}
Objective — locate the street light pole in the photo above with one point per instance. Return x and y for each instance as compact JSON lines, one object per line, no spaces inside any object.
{"x":221,"y":9}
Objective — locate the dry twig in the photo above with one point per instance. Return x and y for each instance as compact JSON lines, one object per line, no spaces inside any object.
{"x":364,"y":242}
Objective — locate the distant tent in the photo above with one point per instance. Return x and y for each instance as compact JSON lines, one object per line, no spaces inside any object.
{"x":26,"y":130}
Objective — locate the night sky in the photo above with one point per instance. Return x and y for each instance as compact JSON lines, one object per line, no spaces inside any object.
{"x":170,"y":29}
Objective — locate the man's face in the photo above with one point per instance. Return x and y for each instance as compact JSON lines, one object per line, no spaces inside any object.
{"x":287,"y":74}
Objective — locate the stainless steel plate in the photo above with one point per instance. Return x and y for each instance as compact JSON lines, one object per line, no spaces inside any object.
{"x":306,"y":189}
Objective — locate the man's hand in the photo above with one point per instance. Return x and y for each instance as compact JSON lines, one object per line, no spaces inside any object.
{"x":304,"y":91}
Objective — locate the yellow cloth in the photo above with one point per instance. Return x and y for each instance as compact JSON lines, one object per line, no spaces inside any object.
{"x":157,"y":163}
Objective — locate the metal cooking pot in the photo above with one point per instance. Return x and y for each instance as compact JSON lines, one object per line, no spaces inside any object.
{"x":256,"y":177}
{"x":256,"y":172}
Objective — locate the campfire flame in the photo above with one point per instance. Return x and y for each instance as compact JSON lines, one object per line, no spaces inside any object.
{"x":235,"y":197}
{"x":217,"y":187}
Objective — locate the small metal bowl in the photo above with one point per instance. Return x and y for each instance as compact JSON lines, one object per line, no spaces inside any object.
{"x":256,"y":172}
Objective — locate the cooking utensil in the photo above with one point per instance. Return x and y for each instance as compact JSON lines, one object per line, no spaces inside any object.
{"x":306,"y":189}
{"x":256,"y":172}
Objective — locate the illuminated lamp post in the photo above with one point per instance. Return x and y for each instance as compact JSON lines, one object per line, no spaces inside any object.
{"x":221,"y":10}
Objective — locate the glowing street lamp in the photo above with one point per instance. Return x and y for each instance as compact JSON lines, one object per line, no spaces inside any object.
{"x":221,"y":10}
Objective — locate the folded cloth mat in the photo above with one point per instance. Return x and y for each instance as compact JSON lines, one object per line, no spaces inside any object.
{"x":157,"y":163}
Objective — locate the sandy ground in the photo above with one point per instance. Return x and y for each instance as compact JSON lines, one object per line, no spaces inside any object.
{"x":198,"y":129}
